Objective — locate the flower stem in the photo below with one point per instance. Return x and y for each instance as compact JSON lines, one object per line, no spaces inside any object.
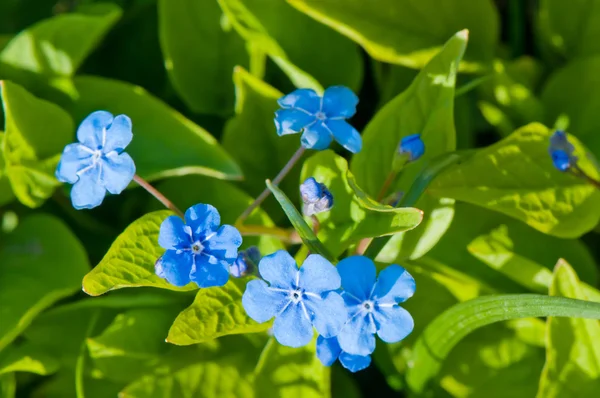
{"x":154,"y":192}
{"x":386,"y":185}
{"x":264,"y":194}
{"x":576,"y":171}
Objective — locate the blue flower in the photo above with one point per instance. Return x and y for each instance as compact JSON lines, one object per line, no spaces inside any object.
{"x":373,"y":304}
{"x":245,"y":263}
{"x":561,"y":151}
{"x":413,"y":146}
{"x":329,"y":350}
{"x":97,"y":163}
{"x":316,"y":198}
{"x":298,"y":298}
{"x":321,"y":118}
{"x":198,"y":251}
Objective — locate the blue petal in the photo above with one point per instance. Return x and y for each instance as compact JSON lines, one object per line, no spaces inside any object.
{"x":393,"y":323}
{"x":559,"y":141}
{"x":75,"y":157}
{"x":173,"y":235}
{"x":119,"y":135}
{"x":345,"y":134}
{"x":175,"y":266}
{"x":317,"y":137}
{"x":91,"y":130}
{"x":358,"y":275}
{"x":394,"y":285}
{"x":291,"y":121}
{"x":279,"y":269}
{"x":329,"y":315}
{"x":239,"y":266}
{"x":262,"y":303}
{"x":88,"y":191}
{"x":203,"y":220}
{"x":328,"y":350}
{"x":354,"y":363}
{"x":318,"y":275}
{"x":356,"y":336}
{"x":561,"y":160}
{"x":209,"y":271}
{"x":224,"y":244}
{"x":310,"y":190}
{"x":117,"y":172}
{"x":413,"y":145}
{"x":292,"y":328}
{"x":303,"y":98}
{"x":339,"y":101}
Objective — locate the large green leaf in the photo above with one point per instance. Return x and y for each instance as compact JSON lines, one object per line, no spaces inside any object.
{"x":59,"y":45}
{"x":36,"y":133}
{"x":27,"y":358}
{"x":449,"y":328}
{"x":214,"y":313}
{"x":409,"y":33}
{"x":164,"y":142}
{"x":200,"y":52}
{"x":6,"y":193}
{"x":130,"y":260}
{"x":516,"y":177}
{"x":572,"y":352}
{"x":291,"y":372}
{"x":41,"y":263}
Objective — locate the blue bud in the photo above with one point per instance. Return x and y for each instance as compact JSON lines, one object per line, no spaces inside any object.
{"x":245,"y":263}
{"x":412,"y":145}
{"x":561,"y":160}
{"x":561,"y":151}
{"x":316,"y":197}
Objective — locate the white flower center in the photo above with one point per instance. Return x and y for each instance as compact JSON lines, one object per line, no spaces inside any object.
{"x":296,"y":295}
{"x":320,"y":115}
{"x":197,"y":247}
{"x":368,"y":306}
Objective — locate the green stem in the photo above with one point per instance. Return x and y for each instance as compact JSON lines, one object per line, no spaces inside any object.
{"x":159,"y":196}
{"x":576,"y":171}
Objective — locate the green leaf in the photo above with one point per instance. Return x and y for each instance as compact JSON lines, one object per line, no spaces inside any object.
{"x":42,"y":262}
{"x":291,"y":372}
{"x":6,"y":193}
{"x":355,"y":215}
{"x":410,"y":33}
{"x":36,"y":133}
{"x":306,"y":233}
{"x":572,"y":352}
{"x":449,"y":328}
{"x":58,"y":46}
{"x":516,"y":177}
{"x":255,"y":34}
{"x":8,"y":385}
{"x":164,"y":142}
{"x":215,"y":312}
{"x":27,"y":358}
{"x":200,"y":51}
{"x":130,"y":260}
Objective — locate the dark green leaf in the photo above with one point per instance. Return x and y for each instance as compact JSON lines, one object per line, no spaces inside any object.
{"x":27,"y":358}
{"x":6,"y":193}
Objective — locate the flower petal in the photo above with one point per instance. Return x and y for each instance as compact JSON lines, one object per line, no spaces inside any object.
{"x":303,"y":98}
{"x":117,"y":172}
{"x":292,"y":328}
{"x":328,"y":350}
{"x":310,"y":190}
{"x":203,"y":219}
{"x":172,"y":234}
{"x":279,"y":269}
{"x":339,"y":101}
{"x":291,"y":121}
{"x":75,"y":157}
{"x":318,"y":275}
{"x":355,"y":337}
{"x":91,"y":130}
{"x":224,"y":244}
{"x":354,"y":363}
{"x":317,"y":137}
{"x":262,"y":303}
{"x":175,"y":266}
{"x":329,"y":315}
{"x":345,"y":134}
{"x":88,"y":192}
{"x":358,"y":275}
{"x":209,"y":271}
{"x":393,"y":323}
{"x":119,"y":135}
{"x":394,"y":285}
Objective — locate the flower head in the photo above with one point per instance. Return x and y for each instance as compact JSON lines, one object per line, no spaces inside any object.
{"x":298,"y":298}
{"x":198,"y":251}
{"x":321,"y":118}
{"x":373,"y":304}
{"x":561,"y":151}
{"x":245,"y":263}
{"x":413,"y":146}
{"x":97,"y":163}
{"x":329,"y":350}
{"x":316,"y":197}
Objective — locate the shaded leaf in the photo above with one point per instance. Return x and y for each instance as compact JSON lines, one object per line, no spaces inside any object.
{"x":6,"y":193}
{"x":27,"y":358}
